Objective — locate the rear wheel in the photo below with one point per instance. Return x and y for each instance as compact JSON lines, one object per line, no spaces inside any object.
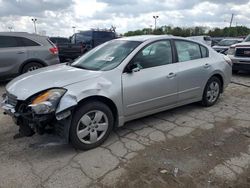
{"x":212,"y":91}
{"x":91,"y":125}
{"x":31,"y":67}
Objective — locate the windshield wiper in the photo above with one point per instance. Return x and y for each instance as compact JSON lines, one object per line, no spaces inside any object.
{"x":80,"y":67}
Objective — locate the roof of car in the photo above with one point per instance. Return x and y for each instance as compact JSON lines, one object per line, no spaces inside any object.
{"x":142,"y":38}
{"x":35,"y":37}
{"x":18,"y":34}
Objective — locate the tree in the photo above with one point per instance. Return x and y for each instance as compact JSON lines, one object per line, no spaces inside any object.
{"x":239,"y":31}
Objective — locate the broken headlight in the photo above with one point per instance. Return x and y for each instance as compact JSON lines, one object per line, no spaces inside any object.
{"x":47,"y":101}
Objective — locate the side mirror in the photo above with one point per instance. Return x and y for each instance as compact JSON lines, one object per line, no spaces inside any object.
{"x":132,"y":67}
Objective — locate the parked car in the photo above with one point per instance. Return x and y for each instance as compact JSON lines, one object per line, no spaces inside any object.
{"x":66,"y":50}
{"x":216,"y":40}
{"x":223,"y":45}
{"x":240,"y":56}
{"x":22,"y":52}
{"x":92,"y":38}
{"x":118,"y":81}
{"x":204,"y":39}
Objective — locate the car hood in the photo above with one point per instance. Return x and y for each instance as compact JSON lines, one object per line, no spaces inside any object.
{"x":220,"y":47}
{"x":242,"y":44}
{"x":33,"y":82}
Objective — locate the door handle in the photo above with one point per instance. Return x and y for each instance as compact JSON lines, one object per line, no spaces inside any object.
{"x":20,"y":52}
{"x":171,"y":75}
{"x":207,"y":65}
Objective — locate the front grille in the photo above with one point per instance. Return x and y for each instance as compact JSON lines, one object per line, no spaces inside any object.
{"x":11,"y":99}
{"x":242,"y":52}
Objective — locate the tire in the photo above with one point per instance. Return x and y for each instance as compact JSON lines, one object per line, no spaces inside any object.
{"x":91,"y":125}
{"x":211,"y":92}
{"x":31,"y":66}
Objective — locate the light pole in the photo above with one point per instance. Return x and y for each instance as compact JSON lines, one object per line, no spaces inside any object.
{"x":74,"y":29}
{"x":10,"y":28}
{"x":34,"y":20}
{"x":155,"y":17}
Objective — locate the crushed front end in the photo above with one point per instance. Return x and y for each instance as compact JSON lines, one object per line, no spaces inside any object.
{"x":37,"y":114}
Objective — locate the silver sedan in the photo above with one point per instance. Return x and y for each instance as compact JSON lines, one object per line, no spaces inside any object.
{"x":116,"y":82}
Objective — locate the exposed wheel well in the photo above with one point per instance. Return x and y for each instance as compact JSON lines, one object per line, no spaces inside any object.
{"x":31,"y":61}
{"x":221,"y":79}
{"x":106,"y":101}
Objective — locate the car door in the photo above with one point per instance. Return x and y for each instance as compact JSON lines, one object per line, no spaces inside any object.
{"x":153,"y":83}
{"x":194,"y":68}
{"x":12,"y":55}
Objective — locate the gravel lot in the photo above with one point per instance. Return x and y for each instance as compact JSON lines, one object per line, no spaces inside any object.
{"x":206,"y":147}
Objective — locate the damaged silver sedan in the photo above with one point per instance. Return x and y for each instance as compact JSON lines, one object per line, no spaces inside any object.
{"x":116,"y":82}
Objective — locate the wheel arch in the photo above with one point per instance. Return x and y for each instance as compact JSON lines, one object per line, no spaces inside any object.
{"x":31,"y":61}
{"x":220,"y":77}
{"x":104,"y":100}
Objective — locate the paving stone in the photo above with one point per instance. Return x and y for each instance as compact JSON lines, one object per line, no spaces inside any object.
{"x":118,"y":149}
{"x":157,"y":136}
{"x":240,"y":123}
{"x":95,"y":163}
{"x":222,"y":171}
{"x":145,"y":131}
{"x":189,"y":122}
{"x":242,"y":161}
{"x":143,"y":140}
{"x":130,"y":155}
{"x":113,"y":177}
{"x":207,"y":126}
{"x":17,"y":174}
{"x":165,"y":126}
{"x":111,"y":139}
{"x":242,"y":116}
{"x":181,"y":131}
{"x":135,"y":125}
{"x":132,"y":145}
{"x":152,"y":120}
{"x":68,"y":177}
{"x":132,"y":136}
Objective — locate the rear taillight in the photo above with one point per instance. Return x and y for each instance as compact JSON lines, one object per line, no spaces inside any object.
{"x":228,"y":60}
{"x":54,"y":50}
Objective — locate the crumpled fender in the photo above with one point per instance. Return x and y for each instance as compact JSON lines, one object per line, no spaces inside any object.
{"x":75,"y":94}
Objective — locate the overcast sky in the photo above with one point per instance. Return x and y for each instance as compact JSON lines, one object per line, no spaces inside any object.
{"x":57,"y":17}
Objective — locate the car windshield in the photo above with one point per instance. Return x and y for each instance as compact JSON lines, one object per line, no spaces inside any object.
{"x":247,"y":39}
{"x":106,"y":56}
{"x":227,"y":42}
{"x":59,"y":40}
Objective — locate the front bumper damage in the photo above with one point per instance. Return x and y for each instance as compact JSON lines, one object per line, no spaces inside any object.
{"x":30,"y":123}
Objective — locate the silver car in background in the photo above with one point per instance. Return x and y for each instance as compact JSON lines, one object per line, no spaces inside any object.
{"x":114,"y":83}
{"x":21,"y":52}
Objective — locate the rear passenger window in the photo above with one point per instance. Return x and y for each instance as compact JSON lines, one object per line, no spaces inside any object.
{"x":8,"y":42}
{"x":204,"y":51}
{"x":187,"y":51}
{"x":27,"y":42}
{"x":11,"y":41}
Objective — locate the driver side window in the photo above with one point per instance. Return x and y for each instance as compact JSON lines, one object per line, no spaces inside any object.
{"x":156,"y":54}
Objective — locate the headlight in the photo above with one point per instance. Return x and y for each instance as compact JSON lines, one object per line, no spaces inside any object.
{"x":47,"y":101}
{"x":231,"y":51}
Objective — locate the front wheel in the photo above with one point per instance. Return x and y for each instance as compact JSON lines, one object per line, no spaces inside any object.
{"x":91,"y":125}
{"x":212,"y":91}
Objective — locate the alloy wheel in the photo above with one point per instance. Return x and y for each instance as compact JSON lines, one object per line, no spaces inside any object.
{"x":213,"y":92}
{"x":92,"y":126}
